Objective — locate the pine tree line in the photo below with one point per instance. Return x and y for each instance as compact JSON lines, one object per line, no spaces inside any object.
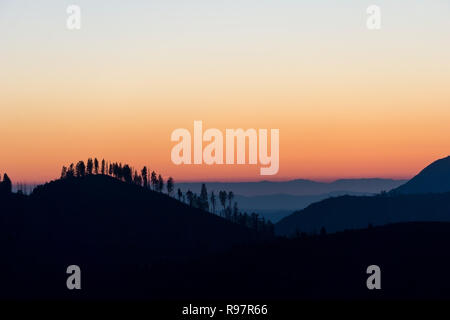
{"x":151,"y":180}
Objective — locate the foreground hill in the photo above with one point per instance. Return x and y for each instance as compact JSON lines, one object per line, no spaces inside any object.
{"x":433,"y":179}
{"x":99,"y":221}
{"x":353,"y":212}
{"x":413,"y":257}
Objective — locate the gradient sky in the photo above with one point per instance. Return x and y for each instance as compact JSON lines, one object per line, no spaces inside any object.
{"x":349,"y":102}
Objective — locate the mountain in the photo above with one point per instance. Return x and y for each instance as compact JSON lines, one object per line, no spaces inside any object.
{"x":353,"y":212}
{"x":105,"y":224}
{"x":413,"y":257}
{"x":132,"y":243}
{"x":297,"y":187}
{"x":434,"y":178}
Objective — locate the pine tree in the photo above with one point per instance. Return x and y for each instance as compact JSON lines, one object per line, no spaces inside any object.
{"x":213,"y":201}
{"x":96,"y":166}
{"x":144,"y":174}
{"x":170,"y":186}
{"x":89,"y":166}
{"x":204,"y":198}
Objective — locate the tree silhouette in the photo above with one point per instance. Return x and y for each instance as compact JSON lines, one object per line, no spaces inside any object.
{"x":154,"y":181}
{"x":144,"y":174}
{"x":126,"y":173}
{"x":213,"y":201}
{"x":160,"y":183}
{"x":190,"y":197}
{"x":137,"y":179}
{"x":96,"y":166}
{"x":230,"y":197}
{"x":103,"y":166}
{"x":70,"y":171}
{"x":180,"y":194}
{"x":203,"y":200}
{"x":5,"y":185}
{"x":89,"y":166}
{"x":80,"y":169}
{"x":170,"y":186}
{"x":223,"y":199}
{"x":63,"y":172}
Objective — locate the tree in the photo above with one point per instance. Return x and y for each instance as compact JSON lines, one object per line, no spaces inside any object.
{"x":71,"y":171}
{"x":144,"y":174}
{"x":111,"y":169}
{"x":160,"y":183}
{"x":170,"y":186}
{"x":63,"y":172}
{"x":5,"y":185}
{"x":103,"y":166}
{"x":323,"y":231}
{"x":80,"y":169}
{"x":203,"y":200}
{"x":213,"y":201}
{"x":126,"y":173}
{"x":230,"y":197}
{"x":137,"y":179}
{"x":96,"y":166}
{"x":154,"y":181}
{"x":180,"y":194}
{"x":190,"y":197}
{"x":223,"y":199}
{"x":89,"y":166}
{"x":120,"y":171}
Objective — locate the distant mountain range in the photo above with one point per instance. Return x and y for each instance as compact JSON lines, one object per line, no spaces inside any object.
{"x":426,"y":197}
{"x":275,"y":200}
{"x":299,"y":187}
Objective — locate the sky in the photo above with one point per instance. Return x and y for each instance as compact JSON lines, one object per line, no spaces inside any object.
{"x":349,"y":102}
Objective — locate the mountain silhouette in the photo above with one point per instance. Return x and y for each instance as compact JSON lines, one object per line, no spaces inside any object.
{"x":435,"y":178}
{"x":133,"y":243}
{"x":356,"y":212}
{"x":426,"y":197}
{"x":106,"y":224}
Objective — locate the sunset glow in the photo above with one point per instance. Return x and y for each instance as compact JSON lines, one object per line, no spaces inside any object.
{"x":348,"y":102}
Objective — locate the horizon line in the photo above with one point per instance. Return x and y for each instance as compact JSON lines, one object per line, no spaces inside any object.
{"x":319,"y":180}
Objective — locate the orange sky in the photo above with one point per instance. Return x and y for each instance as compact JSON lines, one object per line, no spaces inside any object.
{"x":348,"y":102}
